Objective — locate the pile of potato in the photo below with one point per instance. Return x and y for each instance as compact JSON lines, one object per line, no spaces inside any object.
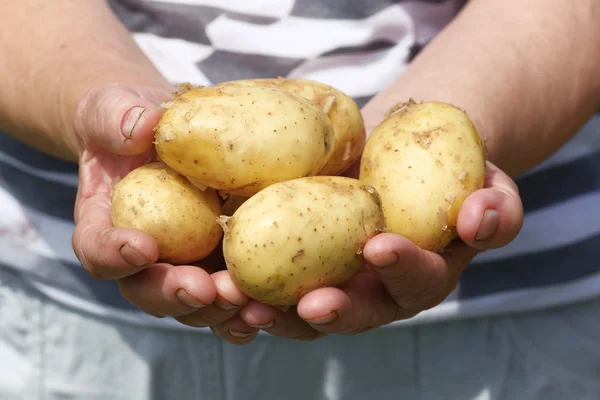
{"x":255,"y":166}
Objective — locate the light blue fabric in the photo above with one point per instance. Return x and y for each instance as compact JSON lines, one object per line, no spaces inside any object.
{"x":51,"y":352}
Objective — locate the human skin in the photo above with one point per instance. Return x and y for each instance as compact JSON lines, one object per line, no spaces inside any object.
{"x":525,"y":70}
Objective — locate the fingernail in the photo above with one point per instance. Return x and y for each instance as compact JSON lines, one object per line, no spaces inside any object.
{"x":188,"y":299}
{"x":238,"y":334}
{"x":224,"y":304}
{"x":265,"y":326}
{"x":324,"y":320}
{"x":132,"y":256}
{"x":131,"y":119}
{"x":488,"y":225}
{"x":384,"y":259}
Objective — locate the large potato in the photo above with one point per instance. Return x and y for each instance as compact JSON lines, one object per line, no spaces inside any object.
{"x":343,"y":111}
{"x":242,"y":139}
{"x":299,"y":235}
{"x":424,"y":160}
{"x":180,"y":217}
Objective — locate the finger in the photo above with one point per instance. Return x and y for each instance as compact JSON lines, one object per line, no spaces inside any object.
{"x":228,"y":294}
{"x":228,"y":301}
{"x":104,"y":251}
{"x":414,"y":278}
{"x":235,"y":331}
{"x":361,"y":305}
{"x":491,"y":217}
{"x":117,"y":120}
{"x":165,"y":290}
{"x":277,"y":322}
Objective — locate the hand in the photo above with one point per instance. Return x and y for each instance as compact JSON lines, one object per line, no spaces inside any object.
{"x":114,"y":128}
{"x":400,"y":279}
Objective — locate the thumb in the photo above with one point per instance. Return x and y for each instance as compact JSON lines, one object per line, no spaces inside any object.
{"x":117,"y":120}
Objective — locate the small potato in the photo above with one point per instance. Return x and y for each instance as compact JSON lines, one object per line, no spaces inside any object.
{"x":343,"y":111}
{"x":424,"y":160}
{"x":239,"y":140}
{"x":299,"y":235}
{"x":180,"y":217}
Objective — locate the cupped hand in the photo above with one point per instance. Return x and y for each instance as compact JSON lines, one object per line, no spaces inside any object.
{"x":400,"y":280}
{"x":114,"y":128}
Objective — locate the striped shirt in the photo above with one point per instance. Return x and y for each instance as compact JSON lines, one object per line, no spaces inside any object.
{"x":359,"y":47}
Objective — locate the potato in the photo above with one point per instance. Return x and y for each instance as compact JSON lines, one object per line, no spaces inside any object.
{"x":345,"y":115}
{"x":299,"y":235}
{"x":180,"y":217}
{"x":239,"y":140}
{"x":424,"y":160}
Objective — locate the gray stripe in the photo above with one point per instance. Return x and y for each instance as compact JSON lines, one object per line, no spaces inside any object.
{"x":174,"y":20}
{"x":553,"y":267}
{"x":45,"y":196}
{"x":349,"y":9}
{"x":376,"y":45}
{"x":361,"y":101}
{"x":171,"y":23}
{"x":101,"y":292}
{"x":225,"y":66}
{"x":560,"y":182}
{"x":20,"y":151}
{"x":415,"y":50}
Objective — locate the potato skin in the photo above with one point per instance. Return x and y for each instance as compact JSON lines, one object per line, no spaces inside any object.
{"x":239,"y":140}
{"x":424,"y":160}
{"x":345,"y":115}
{"x":180,"y":217}
{"x":299,"y":235}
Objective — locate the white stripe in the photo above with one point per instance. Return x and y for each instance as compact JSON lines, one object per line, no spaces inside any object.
{"x":38,"y":233}
{"x":57,"y":233}
{"x":553,"y":227}
{"x":584,"y":143}
{"x":175,"y":58}
{"x":111,"y":313}
{"x":17,"y":228}
{"x":263,"y":8}
{"x":30,"y":263}
{"x":67,"y":179}
{"x":358,"y":75}
{"x":306,"y":38}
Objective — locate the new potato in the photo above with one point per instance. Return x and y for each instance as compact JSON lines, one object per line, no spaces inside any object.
{"x":424,"y":160}
{"x":300,"y":235}
{"x":180,"y":217}
{"x":241,"y":139}
{"x":345,"y":115}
